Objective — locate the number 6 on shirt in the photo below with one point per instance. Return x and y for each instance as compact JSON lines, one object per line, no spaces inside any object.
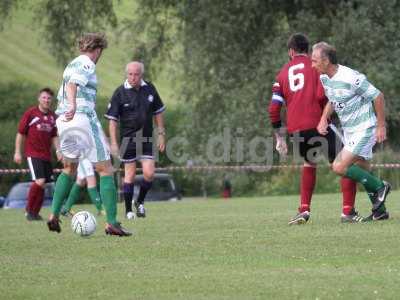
{"x":296,"y":81}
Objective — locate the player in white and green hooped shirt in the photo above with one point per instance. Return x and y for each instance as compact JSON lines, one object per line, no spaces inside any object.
{"x":360,"y":108}
{"x":81,"y":135}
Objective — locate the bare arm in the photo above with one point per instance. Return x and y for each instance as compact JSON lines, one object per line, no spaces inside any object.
{"x":71,"y":90}
{"x":19,"y":141}
{"x":159,"y":120}
{"x":56,"y":145}
{"x":113,"y":131}
{"x":379,"y":105}
{"x":326,"y":114}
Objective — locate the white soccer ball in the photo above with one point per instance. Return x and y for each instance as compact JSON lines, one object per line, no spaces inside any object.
{"x":83,"y":223}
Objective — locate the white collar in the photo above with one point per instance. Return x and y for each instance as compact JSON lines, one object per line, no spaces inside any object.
{"x":128,"y":86}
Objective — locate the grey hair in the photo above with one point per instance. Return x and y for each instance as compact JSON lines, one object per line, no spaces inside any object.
{"x":327,"y":51}
{"x":135,"y":63}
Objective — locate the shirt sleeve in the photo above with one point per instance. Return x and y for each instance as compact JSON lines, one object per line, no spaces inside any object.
{"x":54,"y":132}
{"x":275,"y":106}
{"x":158,"y":106}
{"x":113,"y":111}
{"x":23,"y":125}
{"x":82,"y":73}
{"x":364,"y":88}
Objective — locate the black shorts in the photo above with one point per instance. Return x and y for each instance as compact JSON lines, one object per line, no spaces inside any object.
{"x":132,"y":150}
{"x":309,"y":144}
{"x":40,"y":169}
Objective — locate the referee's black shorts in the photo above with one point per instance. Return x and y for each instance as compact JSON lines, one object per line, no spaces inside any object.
{"x":40,"y":169}
{"x":135,"y":151}
{"x":309,"y":144}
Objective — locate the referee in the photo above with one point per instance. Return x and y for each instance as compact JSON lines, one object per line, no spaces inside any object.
{"x":133,"y":107}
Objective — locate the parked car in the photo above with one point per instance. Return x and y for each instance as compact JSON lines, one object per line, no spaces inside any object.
{"x":18,"y":195}
{"x":163,"y":189}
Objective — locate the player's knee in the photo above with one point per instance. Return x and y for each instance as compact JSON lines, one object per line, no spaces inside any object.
{"x":70,"y":169}
{"x":148,"y":173}
{"x":338,"y":168}
{"x":40,"y":182}
{"x":148,"y":176}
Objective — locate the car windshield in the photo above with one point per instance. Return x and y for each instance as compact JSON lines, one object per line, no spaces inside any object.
{"x":162,"y":185}
{"x":19,"y":192}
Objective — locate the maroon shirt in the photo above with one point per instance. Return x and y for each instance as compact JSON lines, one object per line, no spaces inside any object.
{"x":299,"y":88}
{"x":39,"y":129}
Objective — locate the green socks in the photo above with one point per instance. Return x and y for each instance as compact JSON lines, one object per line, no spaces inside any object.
{"x":369,"y":181}
{"x":108,"y":194}
{"x":95,"y":197}
{"x":73,"y":196}
{"x":61,"y":191}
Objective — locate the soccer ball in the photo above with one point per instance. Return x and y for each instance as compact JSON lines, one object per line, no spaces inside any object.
{"x":83,"y":223}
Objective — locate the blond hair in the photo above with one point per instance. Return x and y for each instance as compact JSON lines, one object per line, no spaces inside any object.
{"x":88,"y":42}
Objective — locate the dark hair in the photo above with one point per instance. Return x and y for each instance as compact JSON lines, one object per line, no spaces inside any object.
{"x":327,"y":51}
{"x":47,"y":90}
{"x":91,"y":41}
{"x":298,"y":42}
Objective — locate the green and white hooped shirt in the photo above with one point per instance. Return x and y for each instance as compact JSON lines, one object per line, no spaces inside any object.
{"x":352,"y":97}
{"x":81,"y":71}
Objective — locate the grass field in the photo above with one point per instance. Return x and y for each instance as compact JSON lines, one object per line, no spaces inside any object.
{"x":207,"y":249}
{"x":24,"y":55}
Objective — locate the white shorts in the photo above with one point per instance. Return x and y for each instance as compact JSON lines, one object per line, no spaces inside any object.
{"x":83,"y":138}
{"x":360,"y":143}
{"x":85,"y":169}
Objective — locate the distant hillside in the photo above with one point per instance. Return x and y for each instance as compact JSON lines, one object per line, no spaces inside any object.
{"x":24,"y":55}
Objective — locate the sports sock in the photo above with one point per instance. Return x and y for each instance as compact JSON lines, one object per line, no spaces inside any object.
{"x":308,"y":176}
{"x":128,"y":195}
{"x":349,"y":189}
{"x":38,"y":200}
{"x":369,"y":181}
{"x":32,"y":198}
{"x":382,"y":207}
{"x":108,"y":194}
{"x":145,"y":186}
{"x":61,"y":191}
{"x":95,"y":197}
{"x":73,"y":196}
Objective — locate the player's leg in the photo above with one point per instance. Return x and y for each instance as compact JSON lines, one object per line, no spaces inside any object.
{"x":148,"y":166}
{"x":39,"y":186}
{"x":94,"y":194}
{"x":63,"y":186}
{"x":74,"y":138}
{"x":128,"y":187}
{"x":345,"y":165}
{"x":48,"y":176}
{"x":73,"y":196}
{"x":307,"y":142}
{"x":381,"y":213}
{"x":36,"y":190}
{"x":347,"y":185}
{"x":99,"y":155}
{"x":358,"y":146}
{"x":108,"y":194}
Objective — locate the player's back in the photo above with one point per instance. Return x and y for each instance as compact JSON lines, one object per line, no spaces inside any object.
{"x":303,"y":94}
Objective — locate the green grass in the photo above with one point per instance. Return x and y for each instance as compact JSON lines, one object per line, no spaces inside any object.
{"x":207,"y":249}
{"x":24,"y":55}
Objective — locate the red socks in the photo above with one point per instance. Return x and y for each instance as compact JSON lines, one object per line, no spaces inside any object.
{"x":308,"y":176}
{"x":349,"y":188}
{"x":35,"y":199}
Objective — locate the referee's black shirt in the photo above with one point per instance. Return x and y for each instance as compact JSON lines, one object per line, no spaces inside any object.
{"x":134,"y":109}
